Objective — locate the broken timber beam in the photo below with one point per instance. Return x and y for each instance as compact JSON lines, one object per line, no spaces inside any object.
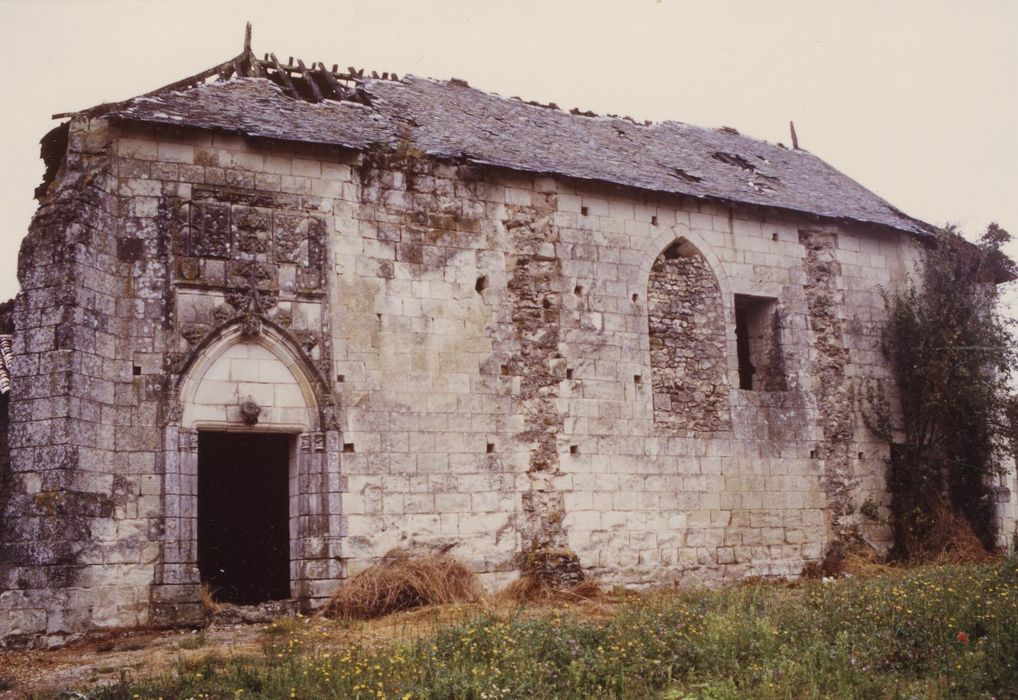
{"x":310,"y":80}
{"x":331,"y":82}
{"x":197,"y":77}
{"x":284,"y":76}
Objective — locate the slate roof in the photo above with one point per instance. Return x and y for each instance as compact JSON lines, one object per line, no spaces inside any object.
{"x":448,"y":119}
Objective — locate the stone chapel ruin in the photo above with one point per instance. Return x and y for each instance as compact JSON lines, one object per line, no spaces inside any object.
{"x":277,"y":319}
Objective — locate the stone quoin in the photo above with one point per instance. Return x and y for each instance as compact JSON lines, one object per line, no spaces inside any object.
{"x":278,"y":319}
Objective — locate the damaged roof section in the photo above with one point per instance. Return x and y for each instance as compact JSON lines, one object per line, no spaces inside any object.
{"x":263,"y":98}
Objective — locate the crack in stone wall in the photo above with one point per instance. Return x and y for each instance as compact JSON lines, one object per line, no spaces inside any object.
{"x":687,"y":345}
{"x":832,"y":388}
{"x":538,"y":365}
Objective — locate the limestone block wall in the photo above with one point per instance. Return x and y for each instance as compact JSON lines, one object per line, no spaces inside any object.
{"x":474,"y":360}
{"x":80,"y":533}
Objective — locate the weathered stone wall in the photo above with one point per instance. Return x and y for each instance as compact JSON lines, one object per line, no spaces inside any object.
{"x":687,"y":344}
{"x":477,"y":354}
{"x":78,"y":536}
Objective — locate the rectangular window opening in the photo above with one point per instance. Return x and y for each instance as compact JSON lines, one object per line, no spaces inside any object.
{"x":758,"y":344}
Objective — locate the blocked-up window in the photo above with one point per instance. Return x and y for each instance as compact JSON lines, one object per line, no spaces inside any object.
{"x":758,"y":342}
{"x":687,"y":342}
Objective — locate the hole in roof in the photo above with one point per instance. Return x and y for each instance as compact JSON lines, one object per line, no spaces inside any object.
{"x":683,"y":175}
{"x":735,"y":160}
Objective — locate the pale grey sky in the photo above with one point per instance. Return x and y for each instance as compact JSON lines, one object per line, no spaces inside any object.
{"x":915,"y":99}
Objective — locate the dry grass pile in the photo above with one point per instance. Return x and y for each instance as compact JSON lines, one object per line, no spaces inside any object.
{"x":851,"y":556}
{"x":951,"y":539}
{"x":533,"y":588}
{"x":865,"y":561}
{"x":209,"y":604}
{"x":401,"y":581}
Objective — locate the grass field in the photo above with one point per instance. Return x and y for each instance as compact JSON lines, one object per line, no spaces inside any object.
{"x":928,"y":632}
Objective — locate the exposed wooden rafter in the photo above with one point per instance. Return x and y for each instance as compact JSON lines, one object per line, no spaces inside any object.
{"x":284,"y":77}
{"x":313,"y":84}
{"x":309,"y":80}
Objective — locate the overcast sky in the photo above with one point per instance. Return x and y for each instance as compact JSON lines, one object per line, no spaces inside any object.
{"x":916,"y":99}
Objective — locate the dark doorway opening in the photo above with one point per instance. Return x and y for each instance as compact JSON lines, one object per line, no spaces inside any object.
{"x":243,"y":516}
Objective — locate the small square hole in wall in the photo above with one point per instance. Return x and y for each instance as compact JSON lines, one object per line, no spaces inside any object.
{"x":348,"y":447}
{"x":578,"y":290}
{"x":584,"y":211}
{"x":340,"y":378}
{"x":812,"y":454}
{"x":653,"y":220}
{"x":637,"y":379}
{"x":574,"y":449}
{"x":504,"y":370}
{"x":481,"y":284}
{"x":774,"y":236}
{"x":490,"y":448}
{"x":636,"y":298}
{"x":569,"y":373}
{"x":862,"y":455}
{"x":136,"y":370}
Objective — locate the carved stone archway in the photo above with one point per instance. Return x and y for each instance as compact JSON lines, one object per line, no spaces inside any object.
{"x":251,"y":361}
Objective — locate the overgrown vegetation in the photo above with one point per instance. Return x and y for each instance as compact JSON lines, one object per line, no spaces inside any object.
{"x":951,"y":354}
{"x":948,"y":631}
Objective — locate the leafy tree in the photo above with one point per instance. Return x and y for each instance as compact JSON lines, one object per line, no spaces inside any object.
{"x":951,"y":354}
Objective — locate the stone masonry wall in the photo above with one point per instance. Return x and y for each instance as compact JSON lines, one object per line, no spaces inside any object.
{"x":78,"y":530}
{"x":483,"y":349}
{"x":687,"y":344}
